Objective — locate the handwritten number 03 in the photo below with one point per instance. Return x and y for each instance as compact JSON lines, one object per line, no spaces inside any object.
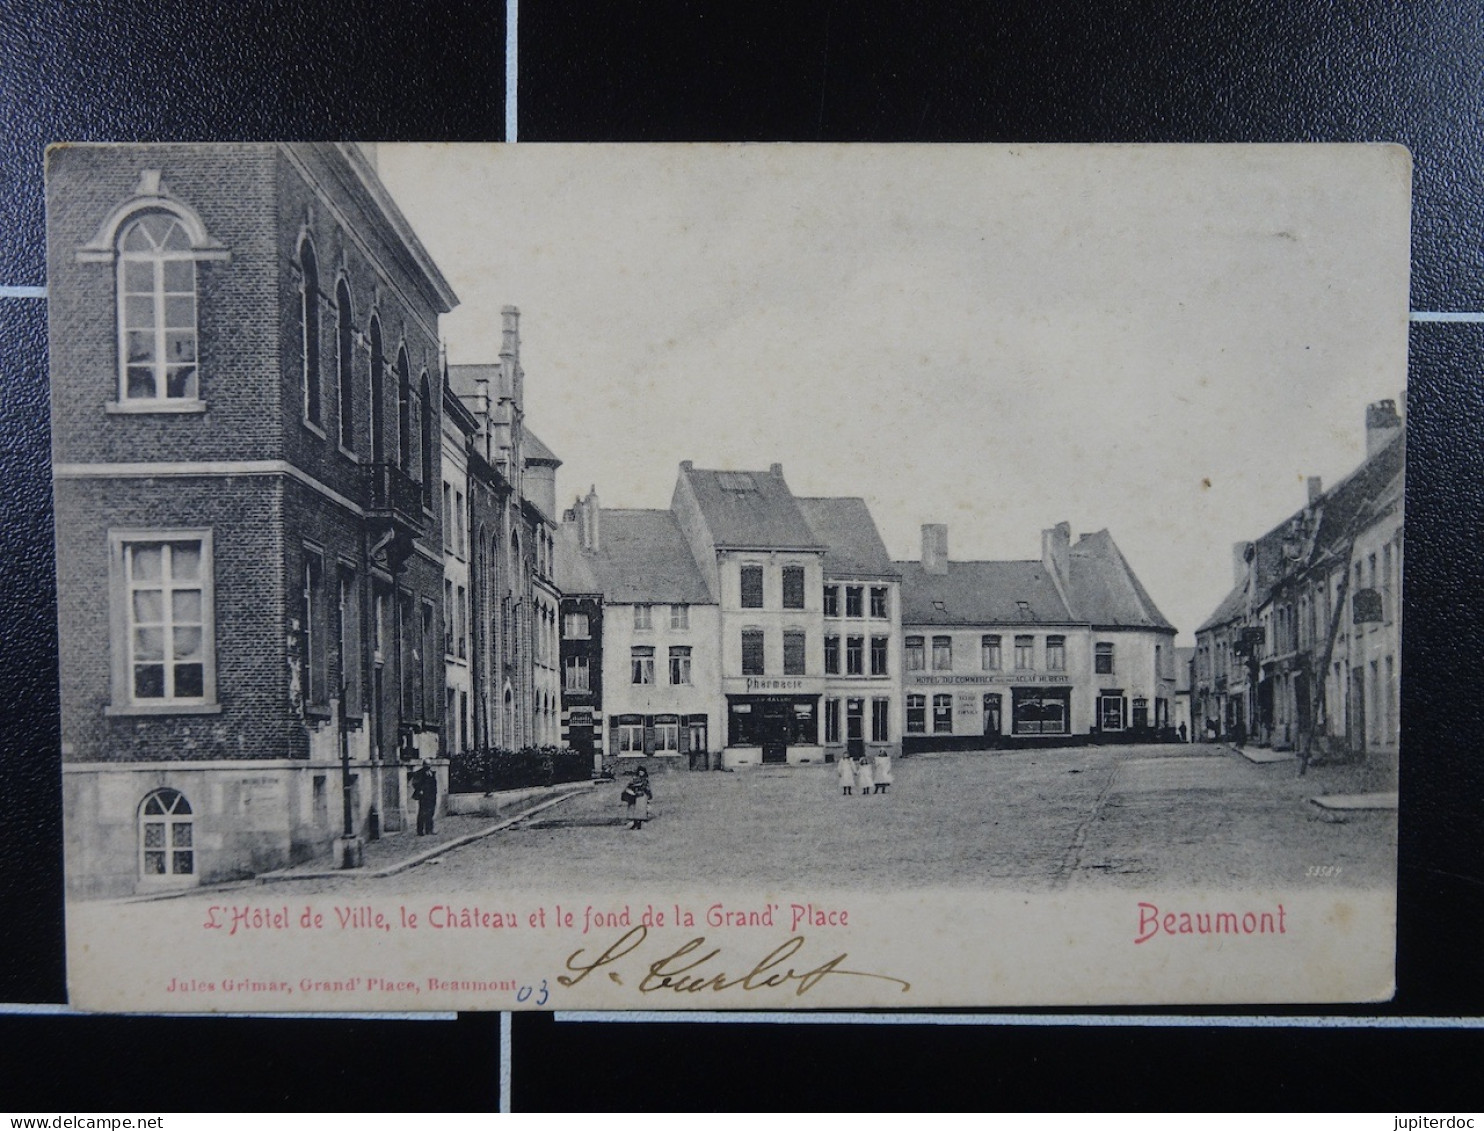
{"x":523,"y":994}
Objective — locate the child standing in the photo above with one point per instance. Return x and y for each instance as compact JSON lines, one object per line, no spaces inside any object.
{"x":846,"y":772}
{"x":863,"y":775}
{"x":883,"y":770}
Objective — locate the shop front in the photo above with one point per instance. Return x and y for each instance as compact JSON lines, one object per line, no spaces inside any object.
{"x":772,"y":729}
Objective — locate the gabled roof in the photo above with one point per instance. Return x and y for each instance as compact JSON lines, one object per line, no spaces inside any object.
{"x":846,"y":527}
{"x":1104,"y":590}
{"x":465,"y":378}
{"x":1010,"y":593}
{"x":574,"y":571}
{"x":643,"y":558}
{"x":537,"y":452}
{"x":1309,"y":535}
{"x":751,"y":510}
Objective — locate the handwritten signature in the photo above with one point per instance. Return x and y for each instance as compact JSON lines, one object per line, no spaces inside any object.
{"x":680,"y":972}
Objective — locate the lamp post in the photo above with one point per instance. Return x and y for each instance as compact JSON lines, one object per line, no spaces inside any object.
{"x":349,"y":848}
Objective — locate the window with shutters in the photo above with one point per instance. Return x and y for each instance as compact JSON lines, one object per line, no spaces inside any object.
{"x":666,"y":734}
{"x":752,"y":586}
{"x":793,"y":587}
{"x":752,"y":651}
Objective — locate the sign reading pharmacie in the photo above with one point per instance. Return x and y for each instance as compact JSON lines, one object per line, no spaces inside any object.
{"x":1018,"y":678}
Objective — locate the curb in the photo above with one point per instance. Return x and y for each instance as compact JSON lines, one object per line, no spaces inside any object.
{"x":419,"y":858}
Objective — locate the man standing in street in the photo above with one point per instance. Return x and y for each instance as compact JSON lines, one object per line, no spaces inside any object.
{"x":425,"y":793}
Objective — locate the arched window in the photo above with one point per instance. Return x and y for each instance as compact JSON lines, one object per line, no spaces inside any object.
{"x":166,"y":835}
{"x":345,"y":365}
{"x":404,"y":412}
{"x":430,"y":449}
{"x":157,"y":311}
{"x":309,"y":323}
{"x":378,"y":402}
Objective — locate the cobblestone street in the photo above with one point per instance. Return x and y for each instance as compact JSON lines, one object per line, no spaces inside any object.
{"x":1085,"y":818}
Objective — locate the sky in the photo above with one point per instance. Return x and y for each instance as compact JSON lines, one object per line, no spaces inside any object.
{"x":1163,"y":341}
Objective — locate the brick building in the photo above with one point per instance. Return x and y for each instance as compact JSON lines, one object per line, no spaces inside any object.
{"x":246,"y":415}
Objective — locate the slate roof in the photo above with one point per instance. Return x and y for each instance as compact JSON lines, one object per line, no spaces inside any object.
{"x":642,"y":558}
{"x":537,"y":452}
{"x":574,"y":570}
{"x":766,"y":517}
{"x":465,"y":378}
{"x":981,"y":593}
{"x":1105,"y":591}
{"x":1340,"y":512}
{"x":846,"y":527}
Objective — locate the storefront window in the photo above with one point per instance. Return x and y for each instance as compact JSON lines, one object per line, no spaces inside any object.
{"x":1037,"y":713}
{"x":916,"y":714}
{"x":942,"y":714}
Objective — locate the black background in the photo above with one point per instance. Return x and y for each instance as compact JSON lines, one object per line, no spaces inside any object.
{"x":1054,"y":70}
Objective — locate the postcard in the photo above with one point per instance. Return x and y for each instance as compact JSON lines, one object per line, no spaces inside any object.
{"x":728,"y":576}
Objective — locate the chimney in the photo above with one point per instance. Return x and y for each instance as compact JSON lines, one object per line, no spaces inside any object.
{"x":1242,"y":554}
{"x":776,"y":471}
{"x":1056,"y":552}
{"x":591,"y":518}
{"x":1381,"y":426}
{"x":687,"y":465}
{"x":1316,"y":488}
{"x":934,"y":548}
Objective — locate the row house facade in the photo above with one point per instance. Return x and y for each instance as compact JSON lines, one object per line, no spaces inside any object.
{"x":247,"y":431}
{"x":1012,"y":653}
{"x":1304,"y":652}
{"x":743,"y":622}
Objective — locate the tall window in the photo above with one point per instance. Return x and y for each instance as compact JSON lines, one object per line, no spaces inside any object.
{"x":752,"y":586}
{"x":166,"y":835}
{"x":350,"y":640}
{"x":752,"y":651}
{"x":680,"y":666}
{"x":942,"y":653}
{"x":575,"y":673}
{"x":793,"y":587}
{"x":855,"y":647}
{"x":427,"y":416}
{"x":679,"y":616}
{"x":942,"y":714}
{"x":793,"y":651}
{"x":1102,"y":657}
{"x":878,"y":655}
{"x":853,"y":597}
{"x":832,"y":720}
{"x":404,"y":412}
{"x":917,"y":714}
{"x":643,"y":617}
{"x":831,"y":600}
{"x":1025,"y":653}
{"x":309,"y":324}
{"x":345,"y":366}
{"x":878,"y":602}
{"x":641,"y":664}
{"x":831,"y":655}
{"x":880,"y":720}
{"x":460,"y":535}
{"x":377,"y":382}
{"x":916,"y":660}
{"x":312,"y":613}
{"x":1386,"y":605}
{"x":448,"y":518}
{"x":164,"y":588}
{"x":447,"y":617}
{"x":989,"y":653}
{"x":461,"y":624}
{"x":157,"y":315}
{"x":1056,"y":653}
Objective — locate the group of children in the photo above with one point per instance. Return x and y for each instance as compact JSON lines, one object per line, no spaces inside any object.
{"x":873,"y":775}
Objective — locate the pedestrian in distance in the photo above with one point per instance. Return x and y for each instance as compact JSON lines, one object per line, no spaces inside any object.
{"x":883,"y":771}
{"x":863,"y":776}
{"x":425,"y":793}
{"x":845,"y":770}
{"x":1184,"y":734}
{"x":637,"y":795}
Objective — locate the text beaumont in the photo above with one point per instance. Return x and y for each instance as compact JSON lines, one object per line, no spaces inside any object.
{"x":1153,"y":922}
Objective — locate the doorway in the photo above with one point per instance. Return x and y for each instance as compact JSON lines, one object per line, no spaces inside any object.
{"x":773,"y":730}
